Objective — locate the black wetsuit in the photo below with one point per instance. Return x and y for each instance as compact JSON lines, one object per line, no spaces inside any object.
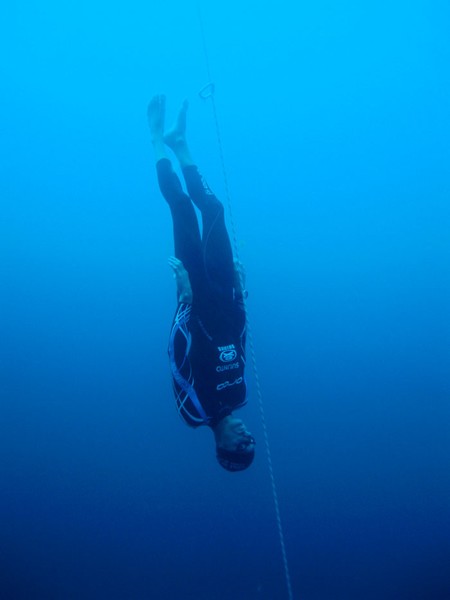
{"x":207,"y":340}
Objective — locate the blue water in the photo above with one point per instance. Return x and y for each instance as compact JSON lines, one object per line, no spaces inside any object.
{"x":335,"y":130}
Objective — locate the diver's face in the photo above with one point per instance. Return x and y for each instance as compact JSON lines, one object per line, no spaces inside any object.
{"x":237,"y":437}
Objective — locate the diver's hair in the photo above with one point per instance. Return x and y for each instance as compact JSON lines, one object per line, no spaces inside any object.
{"x":234,"y":460}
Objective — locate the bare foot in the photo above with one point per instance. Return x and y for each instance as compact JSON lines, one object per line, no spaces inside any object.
{"x":176,"y":136}
{"x":156,"y":112}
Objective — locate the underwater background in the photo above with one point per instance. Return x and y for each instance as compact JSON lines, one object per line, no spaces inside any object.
{"x":335,"y":127}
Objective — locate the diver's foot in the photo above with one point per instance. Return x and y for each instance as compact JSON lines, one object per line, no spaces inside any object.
{"x":176,"y":136}
{"x":156,"y":112}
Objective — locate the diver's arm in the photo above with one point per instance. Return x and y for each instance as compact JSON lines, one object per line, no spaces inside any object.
{"x":181,"y":276}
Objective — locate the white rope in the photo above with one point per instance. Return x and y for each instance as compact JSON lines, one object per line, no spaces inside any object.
{"x":208,"y":93}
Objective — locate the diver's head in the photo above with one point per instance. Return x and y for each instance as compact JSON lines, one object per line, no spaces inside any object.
{"x":235,"y":446}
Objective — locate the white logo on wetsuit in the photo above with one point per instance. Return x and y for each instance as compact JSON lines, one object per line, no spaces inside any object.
{"x":228,"y":355}
{"x":227,"y":384}
{"x":221,"y":368}
{"x":206,"y":187}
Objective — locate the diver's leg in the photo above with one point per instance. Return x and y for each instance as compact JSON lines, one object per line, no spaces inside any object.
{"x":186,"y":231}
{"x":217,"y":252}
{"x":185,"y":225}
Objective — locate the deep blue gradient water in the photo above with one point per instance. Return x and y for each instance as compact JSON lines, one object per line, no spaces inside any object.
{"x":335,"y":130}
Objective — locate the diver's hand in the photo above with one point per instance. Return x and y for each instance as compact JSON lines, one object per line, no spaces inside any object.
{"x":239,"y":277}
{"x":181,"y":276}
